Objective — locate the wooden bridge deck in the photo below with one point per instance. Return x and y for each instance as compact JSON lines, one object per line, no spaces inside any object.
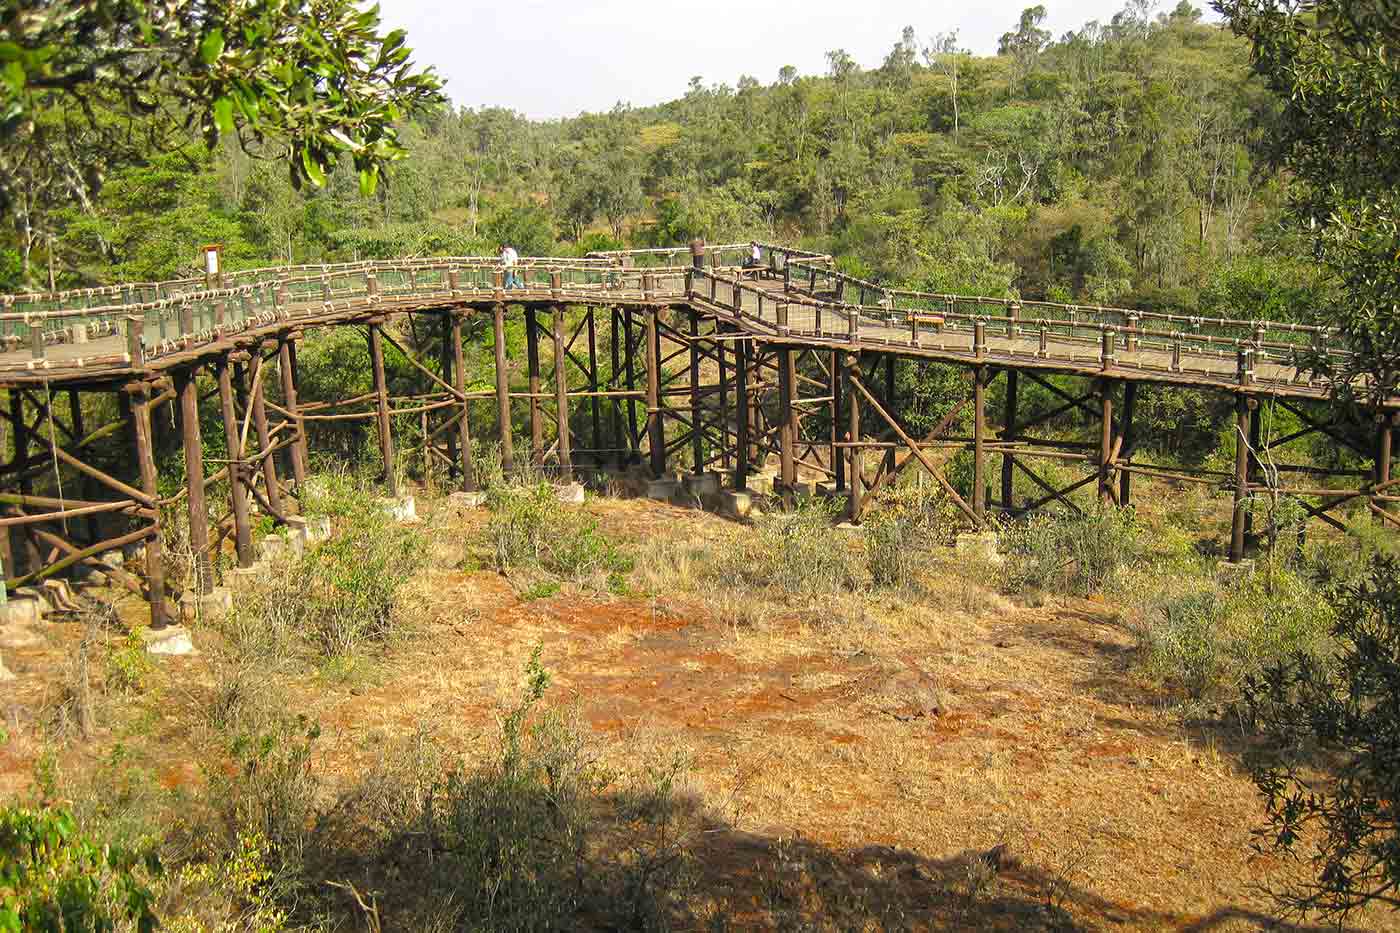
{"x":793,"y":361}
{"x":57,"y":342}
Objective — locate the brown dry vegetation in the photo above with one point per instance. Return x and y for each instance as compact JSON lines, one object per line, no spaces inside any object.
{"x":939,"y":758}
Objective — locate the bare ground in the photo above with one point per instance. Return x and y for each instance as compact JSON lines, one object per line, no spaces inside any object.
{"x":1052,"y":789}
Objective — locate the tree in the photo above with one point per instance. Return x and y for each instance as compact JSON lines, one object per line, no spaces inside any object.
{"x":943,"y":54}
{"x":1335,"y":66}
{"x":312,"y":77}
{"x":1027,"y":42}
{"x":1343,"y":714}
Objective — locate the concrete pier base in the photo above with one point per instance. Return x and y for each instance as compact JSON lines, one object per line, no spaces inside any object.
{"x":665,"y":489}
{"x":736,"y":504}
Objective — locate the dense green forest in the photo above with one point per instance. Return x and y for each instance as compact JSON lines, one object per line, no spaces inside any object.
{"x":1119,"y":163}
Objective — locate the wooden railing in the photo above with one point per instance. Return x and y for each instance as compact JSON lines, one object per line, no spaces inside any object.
{"x":815,"y":306}
{"x":156,"y":319}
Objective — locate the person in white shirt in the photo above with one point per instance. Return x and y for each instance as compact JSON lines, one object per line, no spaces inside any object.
{"x":510,"y":259}
{"x":755,"y":256}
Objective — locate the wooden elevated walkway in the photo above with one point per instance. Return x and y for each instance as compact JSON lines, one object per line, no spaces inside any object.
{"x":792,"y":360}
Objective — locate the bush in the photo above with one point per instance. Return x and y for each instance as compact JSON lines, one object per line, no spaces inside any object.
{"x":1210,"y":641}
{"x":1339,"y":713}
{"x":52,"y":877}
{"x":904,"y":525}
{"x":794,"y":552}
{"x":340,"y":594}
{"x":1077,"y":554}
{"x":269,"y":795}
{"x":530,"y":527}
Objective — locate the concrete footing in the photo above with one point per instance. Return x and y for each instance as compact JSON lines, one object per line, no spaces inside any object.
{"x":761,"y":483}
{"x":1227,"y":572}
{"x":402,"y":509}
{"x":272,"y":548}
{"x":800,"y":489}
{"x":318,"y":528}
{"x":214,"y":604}
{"x":21,"y":611}
{"x":736,"y":504}
{"x":665,"y":489}
{"x":701,"y":485}
{"x":462,"y":501}
{"x":571,"y":493}
{"x":171,"y":641}
{"x":5,"y":672}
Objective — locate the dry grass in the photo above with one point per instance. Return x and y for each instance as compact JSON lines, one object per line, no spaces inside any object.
{"x":1052,"y":790}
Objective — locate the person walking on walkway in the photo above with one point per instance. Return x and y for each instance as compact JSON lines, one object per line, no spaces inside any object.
{"x":510,"y":261}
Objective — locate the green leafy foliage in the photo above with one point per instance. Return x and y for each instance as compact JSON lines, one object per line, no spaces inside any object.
{"x":530,"y":527}
{"x":318,"y":76}
{"x":1334,"y":66}
{"x":55,"y":878}
{"x":1076,"y":554}
{"x":1330,"y":780}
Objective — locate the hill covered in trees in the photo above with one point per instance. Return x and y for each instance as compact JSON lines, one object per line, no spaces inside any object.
{"x":1118,"y":163}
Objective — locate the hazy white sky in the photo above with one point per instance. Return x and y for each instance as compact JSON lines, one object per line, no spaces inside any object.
{"x":551,"y":58}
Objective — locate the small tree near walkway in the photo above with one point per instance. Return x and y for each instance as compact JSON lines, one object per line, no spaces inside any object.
{"x":1332,"y":784}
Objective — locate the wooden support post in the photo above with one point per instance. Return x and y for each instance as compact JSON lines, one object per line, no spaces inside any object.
{"x":532,"y":364}
{"x":29,"y":546}
{"x":459,"y":382}
{"x":503,"y":389}
{"x":979,"y":443}
{"x":617,"y":442}
{"x":629,"y":364}
{"x":656,"y":431}
{"x":697,"y":439}
{"x":1256,"y":425}
{"x":594,"y":402}
{"x":381,"y":392}
{"x":146,"y":461}
{"x":75,"y":416}
{"x":1244,"y":411}
{"x":856,"y":477}
{"x":269,"y":463}
{"x":1008,"y":436}
{"x":561,"y":395}
{"x":837,"y":460}
{"x":287,"y":370}
{"x":237,"y":468}
{"x":198,"y":510}
{"x":722,"y":416}
{"x":1105,"y":440}
{"x":447,"y":361}
{"x":1128,"y":432}
{"x":1385,"y":442}
{"x":240,"y":384}
{"x":890,"y":404}
{"x":741,"y":410}
{"x":787,"y":422}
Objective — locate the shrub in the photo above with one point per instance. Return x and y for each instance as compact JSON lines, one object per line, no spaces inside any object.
{"x":1209,"y":641}
{"x":340,"y":594}
{"x":795,"y":552}
{"x":53,"y":877}
{"x":900,"y":530}
{"x":1344,"y":708}
{"x":530,"y":527}
{"x":269,"y":793}
{"x":128,"y":664}
{"x":1075,"y":554}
